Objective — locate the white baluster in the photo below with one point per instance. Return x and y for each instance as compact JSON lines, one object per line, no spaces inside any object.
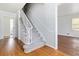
{"x":29,"y":36}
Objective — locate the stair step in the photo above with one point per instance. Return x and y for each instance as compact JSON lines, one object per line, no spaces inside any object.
{"x":35,"y":34}
{"x":33,"y":46}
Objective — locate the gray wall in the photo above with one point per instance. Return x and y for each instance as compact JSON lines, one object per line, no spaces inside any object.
{"x":16,"y":26}
{"x":1,"y":31}
{"x":66,"y":13}
{"x":5,"y":23}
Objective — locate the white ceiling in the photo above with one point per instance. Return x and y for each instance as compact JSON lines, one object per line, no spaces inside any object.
{"x":11,"y":7}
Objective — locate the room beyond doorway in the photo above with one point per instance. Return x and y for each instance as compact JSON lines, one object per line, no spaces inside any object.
{"x":11,"y":28}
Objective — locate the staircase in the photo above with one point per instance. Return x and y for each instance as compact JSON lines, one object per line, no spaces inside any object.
{"x":29,"y":35}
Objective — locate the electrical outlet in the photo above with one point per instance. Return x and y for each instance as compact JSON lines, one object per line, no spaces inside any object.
{"x":68,"y":33}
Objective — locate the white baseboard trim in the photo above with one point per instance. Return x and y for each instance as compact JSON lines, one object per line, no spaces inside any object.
{"x":34,"y":48}
{"x":69,"y":35}
{"x":51,"y":46}
{"x":1,"y":38}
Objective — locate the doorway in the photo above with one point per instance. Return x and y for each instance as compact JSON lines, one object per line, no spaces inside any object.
{"x":11,"y":28}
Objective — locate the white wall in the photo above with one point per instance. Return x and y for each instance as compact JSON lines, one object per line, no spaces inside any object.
{"x":43,"y":17}
{"x":50,"y":24}
{"x":15,"y":27}
{"x":66,"y":13}
{"x":1,"y":31}
{"x":5,"y":23}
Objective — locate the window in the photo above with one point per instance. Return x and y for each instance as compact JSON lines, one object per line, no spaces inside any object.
{"x":75,"y":24}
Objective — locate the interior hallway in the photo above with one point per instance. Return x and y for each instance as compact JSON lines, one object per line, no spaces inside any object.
{"x":10,"y":47}
{"x":68,"y":45}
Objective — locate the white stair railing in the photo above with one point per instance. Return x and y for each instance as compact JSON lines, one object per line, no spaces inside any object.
{"x":28,"y":27}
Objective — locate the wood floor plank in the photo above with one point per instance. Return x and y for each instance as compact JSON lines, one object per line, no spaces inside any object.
{"x":10,"y":47}
{"x":68,"y":45}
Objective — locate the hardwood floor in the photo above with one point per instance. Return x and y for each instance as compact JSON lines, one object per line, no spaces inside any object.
{"x":68,"y":45}
{"x":10,"y":47}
